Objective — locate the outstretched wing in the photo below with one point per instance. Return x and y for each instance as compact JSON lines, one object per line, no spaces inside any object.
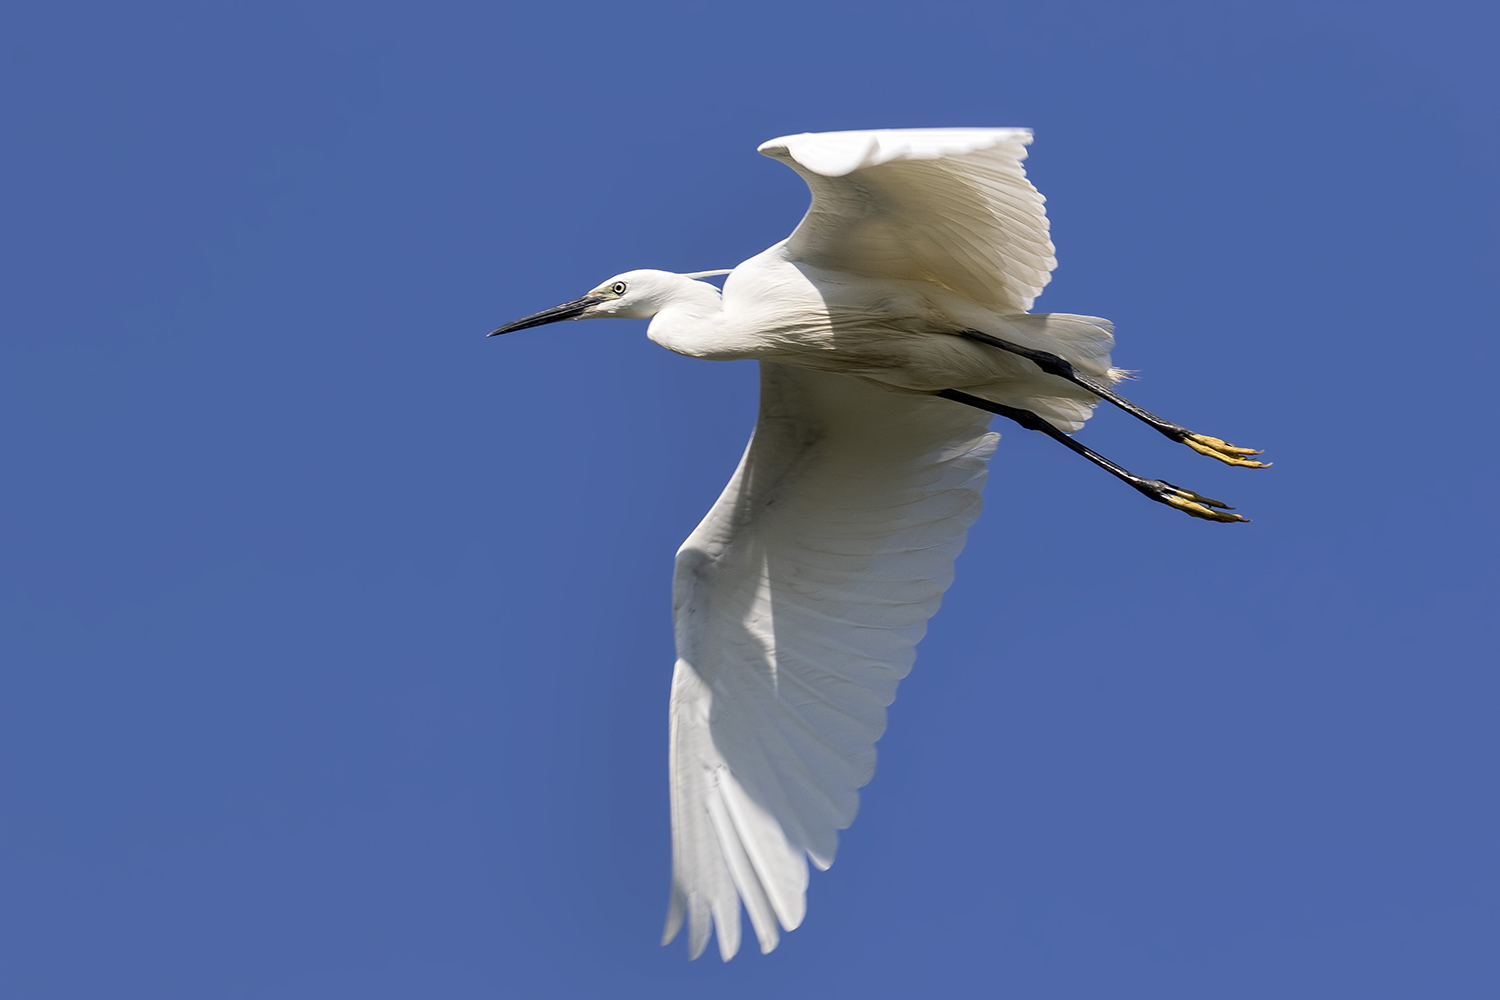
{"x":947,"y":205}
{"x":799,"y":602}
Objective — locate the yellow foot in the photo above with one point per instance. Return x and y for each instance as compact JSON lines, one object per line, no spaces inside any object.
{"x":1195,"y":504}
{"x":1224,"y":451}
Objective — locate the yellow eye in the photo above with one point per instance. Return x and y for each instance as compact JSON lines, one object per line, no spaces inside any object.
{"x":618,"y":288}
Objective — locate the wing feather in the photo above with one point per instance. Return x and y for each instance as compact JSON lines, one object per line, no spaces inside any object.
{"x":949,"y":206}
{"x":799,"y":603}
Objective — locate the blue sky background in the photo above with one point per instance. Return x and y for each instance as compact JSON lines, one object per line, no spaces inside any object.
{"x":336,"y":638}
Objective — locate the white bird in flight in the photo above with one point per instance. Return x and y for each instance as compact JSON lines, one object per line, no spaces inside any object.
{"x":889,"y":327}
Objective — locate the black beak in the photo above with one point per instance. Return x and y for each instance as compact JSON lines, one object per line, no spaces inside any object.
{"x":568,"y":310}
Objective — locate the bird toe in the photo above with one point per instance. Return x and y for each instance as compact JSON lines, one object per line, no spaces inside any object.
{"x":1225,"y":452}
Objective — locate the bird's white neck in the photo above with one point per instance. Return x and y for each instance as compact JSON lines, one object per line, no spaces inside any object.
{"x":688,"y":319}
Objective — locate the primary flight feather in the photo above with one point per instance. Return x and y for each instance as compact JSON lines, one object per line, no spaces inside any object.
{"x":889,"y":327}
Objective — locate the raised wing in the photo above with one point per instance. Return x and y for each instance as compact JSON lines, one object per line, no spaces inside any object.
{"x":799,"y":602}
{"x":946,"y":205}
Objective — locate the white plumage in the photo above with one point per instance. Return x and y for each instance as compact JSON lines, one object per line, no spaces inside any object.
{"x":801,"y":597}
{"x":948,"y":206}
{"x":799,"y":602}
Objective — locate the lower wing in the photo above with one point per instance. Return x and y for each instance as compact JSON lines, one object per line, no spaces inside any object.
{"x":799,"y":602}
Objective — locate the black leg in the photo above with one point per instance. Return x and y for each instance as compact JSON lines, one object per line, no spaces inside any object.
{"x":1159,"y":490}
{"x":1053,"y":365}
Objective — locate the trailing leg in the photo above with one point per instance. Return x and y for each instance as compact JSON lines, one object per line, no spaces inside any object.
{"x":1159,"y":490}
{"x":1053,"y":365}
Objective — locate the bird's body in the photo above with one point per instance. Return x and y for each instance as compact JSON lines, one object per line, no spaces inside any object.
{"x":886,"y":325}
{"x":902,"y":334}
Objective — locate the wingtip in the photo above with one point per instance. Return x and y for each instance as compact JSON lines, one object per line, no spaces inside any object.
{"x":774,"y":148}
{"x":675,"y":913}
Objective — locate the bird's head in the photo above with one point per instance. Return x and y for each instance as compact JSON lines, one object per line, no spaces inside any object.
{"x":632,"y":295}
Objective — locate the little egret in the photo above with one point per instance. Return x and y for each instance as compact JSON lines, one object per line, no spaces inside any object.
{"x":889,"y":326}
